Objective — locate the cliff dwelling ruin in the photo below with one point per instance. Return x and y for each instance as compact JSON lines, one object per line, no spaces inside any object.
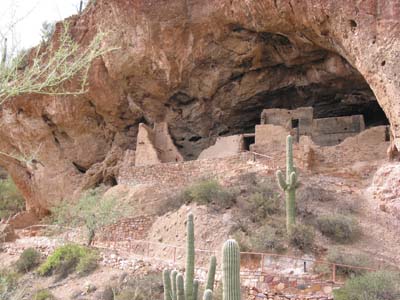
{"x":156,"y":145}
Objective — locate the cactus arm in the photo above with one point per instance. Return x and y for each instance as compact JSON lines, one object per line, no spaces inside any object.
{"x":208,"y":294}
{"x":167,"y":285}
{"x":189,"y":272}
{"x":179,"y":286}
{"x":211,"y":273}
{"x":281,"y":181}
{"x":292,"y":181}
{"x":231,"y":270}
{"x":174,"y":273}
{"x":289,"y":156}
{"x":195,"y":289}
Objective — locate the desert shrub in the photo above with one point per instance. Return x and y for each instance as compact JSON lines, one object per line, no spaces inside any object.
{"x":209,"y":192}
{"x":11,"y":200}
{"x":262,"y":200}
{"x":132,"y":294}
{"x":66,"y":259}
{"x":322,"y":269}
{"x":93,"y":210}
{"x":262,"y":205}
{"x":350,"y":206}
{"x":302,"y":237}
{"x":264,"y":239}
{"x":145,"y":287}
{"x":340,"y":228}
{"x":8,"y":283}
{"x":381,"y":285}
{"x":351,"y":259}
{"x":28,"y":260}
{"x":44,"y":294}
{"x":87,"y":263}
{"x":314,"y":194}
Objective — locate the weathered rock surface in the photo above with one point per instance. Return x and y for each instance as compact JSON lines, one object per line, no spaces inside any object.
{"x":386,"y":188}
{"x":207,"y":68}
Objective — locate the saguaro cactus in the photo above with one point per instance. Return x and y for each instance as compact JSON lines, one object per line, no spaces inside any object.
{"x":189,"y":272}
{"x":231,"y":270}
{"x":189,"y":289}
{"x":195,"y":289}
{"x":180,"y":295}
{"x":211,"y":273}
{"x":208,"y":294}
{"x":289,"y":185}
{"x":167,"y":285}
{"x":174,"y":273}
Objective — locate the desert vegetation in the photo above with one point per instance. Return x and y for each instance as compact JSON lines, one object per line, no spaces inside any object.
{"x":69,"y":258}
{"x":93,"y":210}
{"x":11,"y":200}
{"x":381,"y":285}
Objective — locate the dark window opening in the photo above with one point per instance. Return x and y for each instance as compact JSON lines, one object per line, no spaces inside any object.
{"x":387,"y":134}
{"x":295,"y":123}
{"x":247,"y":141}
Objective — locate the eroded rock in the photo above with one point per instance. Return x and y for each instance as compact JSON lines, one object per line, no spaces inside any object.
{"x":207,"y":68}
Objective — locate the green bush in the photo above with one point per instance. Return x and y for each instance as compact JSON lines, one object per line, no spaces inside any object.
{"x":66,"y":260}
{"x":339,"y":228}
{"x":28,"y":260}
{"x":43,"y":295}
{"x":302,"y":237}
{"x":209,"y":192}
{"x":350,"y":259}
{"x":263,"y":205}
{"x":8,"y":283}
{"x":88,"y":263}
{"x":264,"y":239}
{"x":381,"y":285}
{"x":11,"y":200}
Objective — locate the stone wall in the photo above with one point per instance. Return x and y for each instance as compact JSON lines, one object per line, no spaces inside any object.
{"x":301,"y":118}
{"x":270,"y":136}
{"x":146,"y":152}
{"x":299,"y":122}
{"x":224,"y":146}
{"x":155,"y":146}
{"x":332,"y":131}
{"x":126,"y":229}
{"x":180,"y":174}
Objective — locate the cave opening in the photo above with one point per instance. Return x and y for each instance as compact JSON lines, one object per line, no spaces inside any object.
{"x":275,"y":71}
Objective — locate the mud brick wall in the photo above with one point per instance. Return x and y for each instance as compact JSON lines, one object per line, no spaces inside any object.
{"x":126,"y":229}
{"x":184,"y":173}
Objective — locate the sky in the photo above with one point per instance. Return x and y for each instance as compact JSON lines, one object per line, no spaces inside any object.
{"x":30,"y":14}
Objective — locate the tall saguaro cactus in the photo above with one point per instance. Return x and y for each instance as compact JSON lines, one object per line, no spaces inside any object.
{"x":175,"y":288}
{"x":231,"y":270}
{"x":289,"y":185}
{"x":189,"y":272}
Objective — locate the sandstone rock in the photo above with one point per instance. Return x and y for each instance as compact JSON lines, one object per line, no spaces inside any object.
{"x":386,"y":188}
{"x":207,"y":68}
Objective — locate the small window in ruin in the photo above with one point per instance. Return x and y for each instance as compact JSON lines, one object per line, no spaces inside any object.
{"x":247,"y":141}
{"x":295,"y":123}
{"x":387,"y":134}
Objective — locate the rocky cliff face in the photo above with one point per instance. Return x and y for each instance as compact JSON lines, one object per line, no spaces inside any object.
{"x":207,"y":68}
